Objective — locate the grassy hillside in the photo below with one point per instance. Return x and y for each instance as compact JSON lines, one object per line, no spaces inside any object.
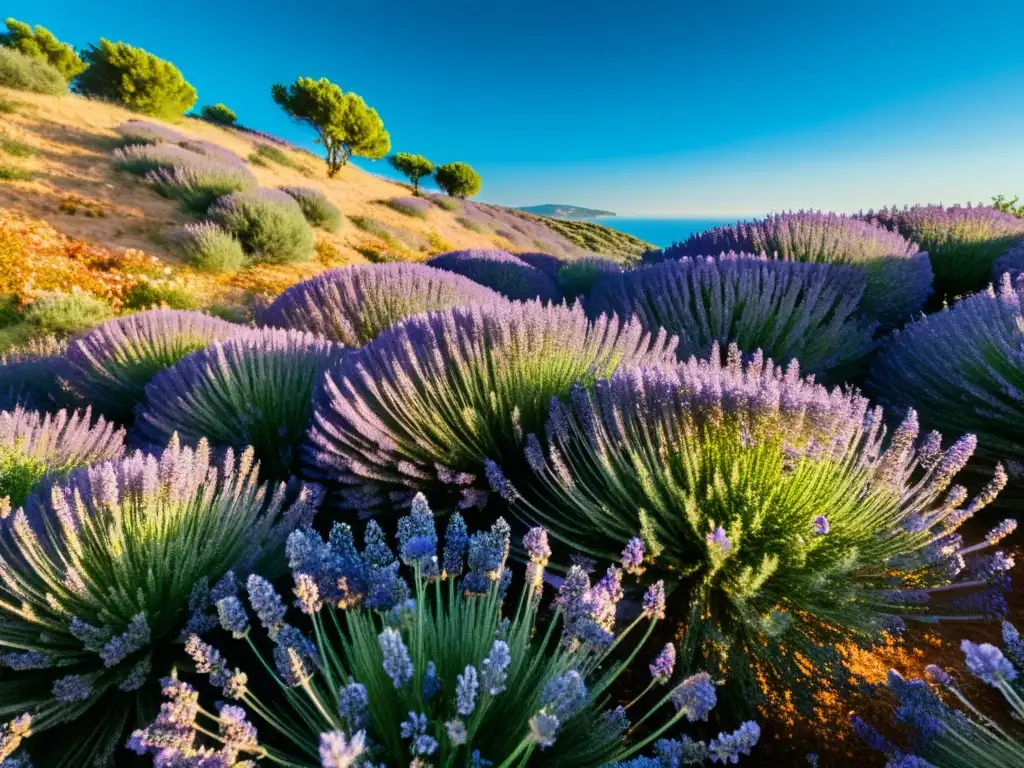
{"x":60,"y":194}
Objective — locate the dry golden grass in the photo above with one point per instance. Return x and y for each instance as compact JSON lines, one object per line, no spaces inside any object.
{"x":74,"y":137}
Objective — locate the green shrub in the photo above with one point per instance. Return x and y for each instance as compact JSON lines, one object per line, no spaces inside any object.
{"x":23,"y":73}
{"x":144,"y":83}
{"x":345,"y":124}
{"x":266,"y":152}
{"x":209,"y":248}
{"x":458,"y":180}
{"x":8,"y":107}
{"x":146,"y":295}
{"x":40,"y":44}
{"x":413,"y":167}
{"x":270,"y":231}
{"x":446,"y":203}
{"x":218,"y":113}
{"x":67,"y":313}
{"x":318,"y":210}
{"x":255,"y":159}
{"x":10,"y":173}
{"x":16,"y":148}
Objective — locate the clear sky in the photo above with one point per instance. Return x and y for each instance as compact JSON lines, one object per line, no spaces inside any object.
{"x":647,"y":107}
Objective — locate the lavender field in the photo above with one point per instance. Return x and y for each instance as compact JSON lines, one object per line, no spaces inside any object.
{"x":526,"y":509}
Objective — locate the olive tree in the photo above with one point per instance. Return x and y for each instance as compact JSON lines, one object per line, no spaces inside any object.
{"x":345,"y":125}
{"x":413,"y":167}
{"x":458,"y":179}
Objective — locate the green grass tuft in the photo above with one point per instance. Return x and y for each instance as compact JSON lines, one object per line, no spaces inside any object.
{"x":10,"y":173}
{"x":16,"y":148}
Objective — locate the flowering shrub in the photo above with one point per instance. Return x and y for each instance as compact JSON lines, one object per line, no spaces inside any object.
{"x":899,"y":278}
{"x":501,"y":271}
{"x":26,"y":73}
{"x":789,"y":310}
{"x":140,"y":159}
{"x":963,"y":370}
{"x":114,"y":565}
{"x":355,"y":304}
{"x":545,"y":262}
{"x":38,"y":446}
{"x":214,"y":151}
{"x":209,"y":248}
{"x":199,"y":183}
{"x":1012,"y":261}
{"x":35,"y":258}
{"x":430,"y":403}
{"x":253,"y":389}
{"x":145,"y":132}
{"x":949,"y":738}
{"x":439,"y":679}
{"x":110,"y":365}
{"x":962,"y":242}
{"x":787,"y":519}
{"x":417,"y":207}
{"x":268,"y":223}
{"x":30,"y":376}
{"x":318,"y":210}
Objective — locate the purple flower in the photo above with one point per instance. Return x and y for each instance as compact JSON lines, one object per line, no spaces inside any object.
{"x":899,"y":277}
{"x":633,"y":557}
{"x":353,"y":305}
{"x":654,"y":600}
{"x":664,"y":664}
{"x":353,"y":705}
{"x":727,"y":747}
{"x":718,"y":542}
{"x":821,"y":525}
{"x":494,"y":668}
{"x":266,"y":603}
{"x":465,"y":691}
{"x":233,"y":617}
{"x":564,"y":696}
{"x":535,"y":542}
{"x":145,"y":132}
{"x":417,"y":538}
{"x":456,"y":541}
{"x":235,"y":730}
{"x":397,"y":663}
{"x":787,"y":309}
{"x":544,"y":728}
{"x":695,"y":696}
{"x":500,"y":271}
{"x":987,"y":662}
{"x":110,"y":365}
{"x":1000,"y":532}
{"x":870,"y":736}
{"x":72,"y":688}
{"x":937,"y":675}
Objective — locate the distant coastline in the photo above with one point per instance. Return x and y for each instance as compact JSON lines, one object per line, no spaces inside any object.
{"x":561,"y":211}
{"x":661,"y":232}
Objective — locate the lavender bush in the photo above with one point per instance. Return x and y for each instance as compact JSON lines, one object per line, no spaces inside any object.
{"x":141,"y":159}
{"x":962,"y":242}
{"x":789,"y":310}
{"x":199,"y":183}
{"x":208,"y":248}
{"x":417,"y":207}
{"x":318,"y":210}
{"x":30,"y":376}
{"x":501,"y":271}
{"x":146,"y":132}
{"x":254,"y":389}
{"x":785,"y":518}
{"x":454,"y":675}
{"x":109,"y":366}
{"x":430,"y":403}
{"x":545,"y":262}
{"x":947,"y":737}
{"x":353,"y":305}
{"x":40,"y":447}
{"x":963,"y":370}
{"x":214,"y":151}
{"x":269,"y":223}
{"x":120,"y":560}
{"x":899,"y":278}
{"x":1011,"y":262}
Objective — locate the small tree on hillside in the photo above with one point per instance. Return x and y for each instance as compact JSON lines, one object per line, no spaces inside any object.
{"x":41,"y":44}
{"x":136,"y":78}
{"x":346,"y":126}
{"x":220,"y":114}
{"x":458,"y":179}
{"x":413,"y":167}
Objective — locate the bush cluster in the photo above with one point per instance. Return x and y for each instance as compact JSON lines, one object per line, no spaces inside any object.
{"x":501,"y":271}
{"x":26,"y":73}
{"x":268,"y":223}
{"x":142,"y":82}
{"x":318,"y":210}
{"x":219,"y":113}
{"x":209,"y":248}
{"x":40,"y":44}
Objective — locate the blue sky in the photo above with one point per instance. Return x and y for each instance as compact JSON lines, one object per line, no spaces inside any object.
{"x":650,"y":107}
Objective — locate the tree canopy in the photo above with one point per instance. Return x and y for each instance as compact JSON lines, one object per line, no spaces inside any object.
{"x":344,"y":123}
{"x":136,"y":78}
{"x":458,"y":179}
{"x":413,"y":167}
{"x":39,"y":43}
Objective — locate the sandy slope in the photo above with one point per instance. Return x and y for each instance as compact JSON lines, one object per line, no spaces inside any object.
{"x":75,"y":136}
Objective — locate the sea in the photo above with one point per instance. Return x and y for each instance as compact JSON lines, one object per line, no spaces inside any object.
{"x":661,"y":232}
